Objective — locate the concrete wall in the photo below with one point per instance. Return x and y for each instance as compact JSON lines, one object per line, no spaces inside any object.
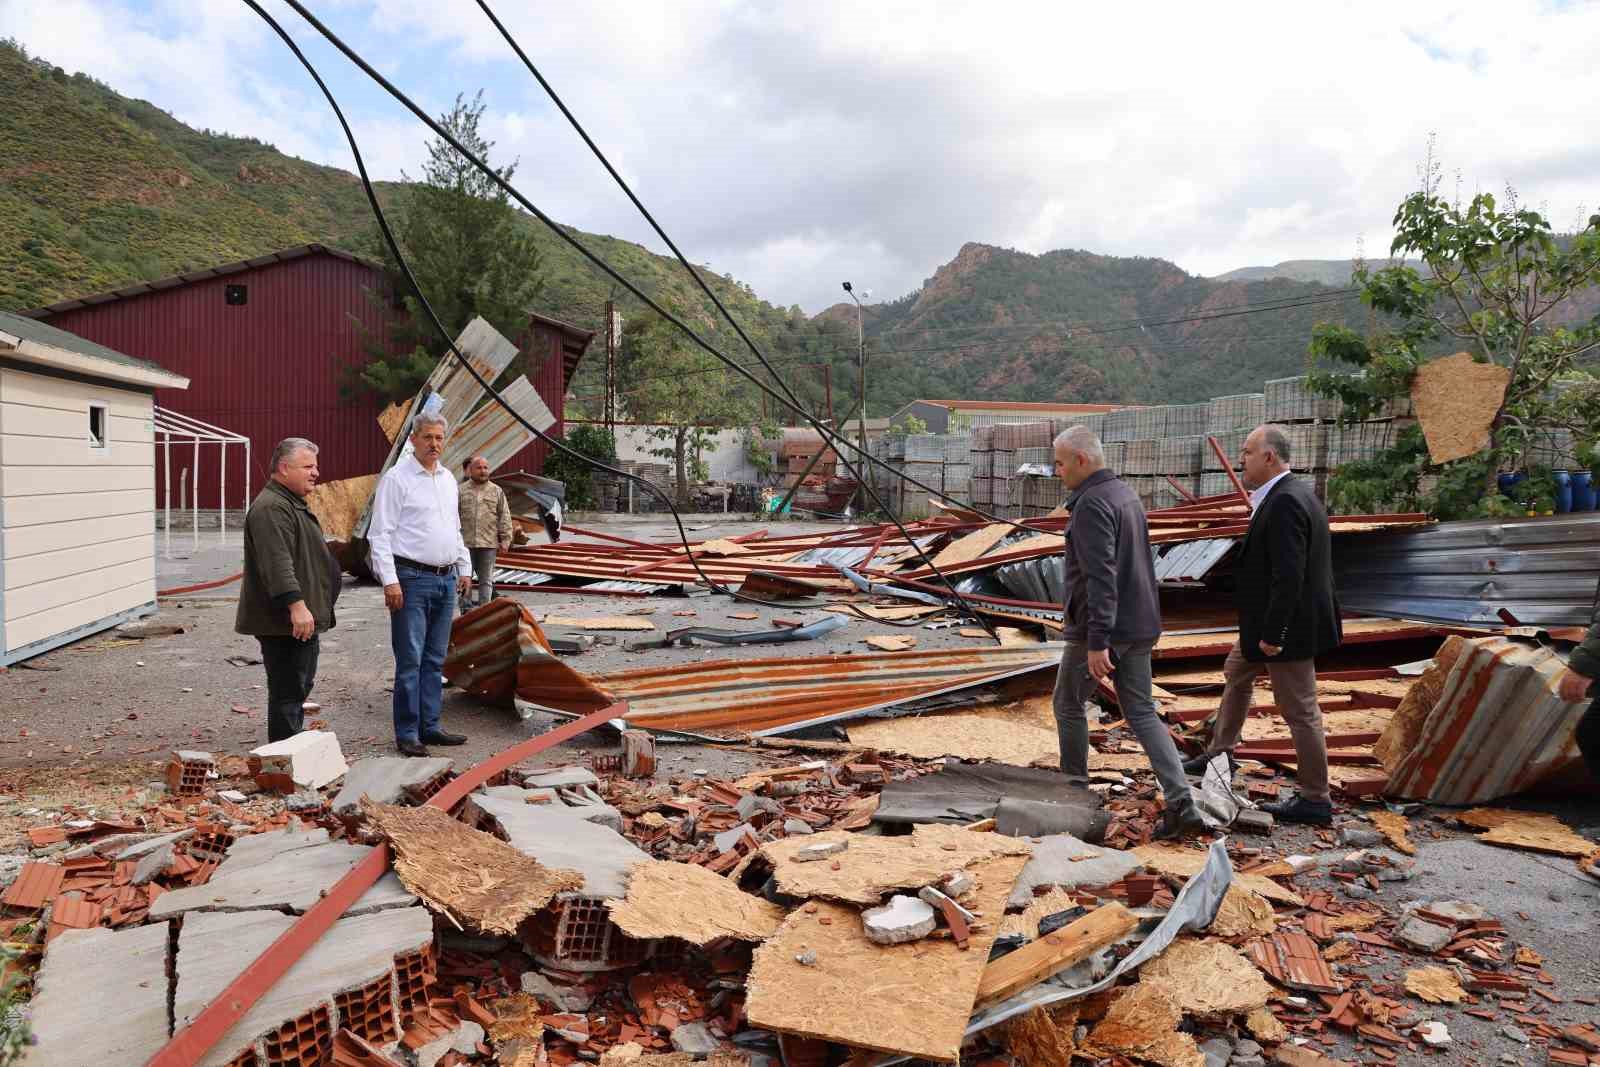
{"x":725,"y":457}
{"x":77,"y":522}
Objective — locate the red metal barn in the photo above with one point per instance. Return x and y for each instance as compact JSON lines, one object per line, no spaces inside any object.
{"x":267,"y":344}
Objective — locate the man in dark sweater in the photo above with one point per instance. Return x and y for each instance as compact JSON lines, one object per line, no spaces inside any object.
{"x":290,"y":584}
{"x":1583,"y":667}
{"x":1113,"y":618}
{"x":1288,"y":615}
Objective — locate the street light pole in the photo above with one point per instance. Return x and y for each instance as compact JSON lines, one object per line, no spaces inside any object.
{"x":861,"y":364}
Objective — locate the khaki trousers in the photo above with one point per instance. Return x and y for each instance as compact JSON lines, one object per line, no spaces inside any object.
{"x":1294,"y":691}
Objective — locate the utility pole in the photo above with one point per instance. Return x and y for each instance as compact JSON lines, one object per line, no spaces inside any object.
{"x":611,"y":369}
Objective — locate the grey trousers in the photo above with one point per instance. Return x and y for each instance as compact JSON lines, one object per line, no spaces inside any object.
{"x":1131,"y":677}
{"x":483,"y":568}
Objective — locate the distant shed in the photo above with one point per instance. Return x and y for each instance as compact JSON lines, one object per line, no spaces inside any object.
{"x":77,"y":486}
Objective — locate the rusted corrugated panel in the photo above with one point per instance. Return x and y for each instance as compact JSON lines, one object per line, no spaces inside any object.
{"x":769,"y":696}
{"x":493,"y":433}
{"x":497,"y":651}
{"x":1497,"y":729}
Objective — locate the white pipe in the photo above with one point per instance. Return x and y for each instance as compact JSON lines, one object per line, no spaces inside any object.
{"x":195,"y":529}
{"x":222,"y":498}
{"x":167,"y":486}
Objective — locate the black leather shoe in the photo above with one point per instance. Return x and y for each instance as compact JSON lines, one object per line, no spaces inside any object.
{"x":1177,"y":824}
{"x":1300,"y":810}
{"x":1197,"y":766}
{"x":442,"y":738}
{"x":411,"y":748}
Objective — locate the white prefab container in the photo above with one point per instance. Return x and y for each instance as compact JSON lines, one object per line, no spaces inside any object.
{"x":77,"y":486}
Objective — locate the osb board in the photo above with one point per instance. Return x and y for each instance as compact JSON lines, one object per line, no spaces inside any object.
{"x":691,"y":903}
{"x":1395,"y":828}
{"x":1355,"y":721}
{"x":598,"y":622}
{"x":1044,"y":1036}
{"x":1036,"y":711}
{"x":476,"y":878}
{"x":890,"y":614}
{"x":1408,"y":720}
{"x":970,"y":547}
{"x":1264,"y":1026}
{"x":337,"y":505}
{"x":873,"y":867}
{"x":1184,"y":864}
{"x":1244,"y":913}
{"x":966,"y":734}
{"x":1435,"y":985}
{"x":1143,"y":1023}
{"x":1207,"y":978}
{"x":1026,"y":921}
{"x":891,"y":642}
{"x":393,"y":417}
{"x":1531,"y":832}
{"x":912,"y":999}
{"x":1456,"y":399}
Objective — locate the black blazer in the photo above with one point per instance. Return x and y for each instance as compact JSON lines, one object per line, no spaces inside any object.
{"x":1285,"y":577}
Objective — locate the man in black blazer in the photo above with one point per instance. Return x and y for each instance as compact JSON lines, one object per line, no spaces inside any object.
{"x":1288,"y":615}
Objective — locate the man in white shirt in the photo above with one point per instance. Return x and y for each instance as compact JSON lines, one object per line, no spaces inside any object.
{"x":417,"y":553}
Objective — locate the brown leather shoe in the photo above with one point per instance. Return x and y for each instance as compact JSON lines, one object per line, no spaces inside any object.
{"x":411,"y":748}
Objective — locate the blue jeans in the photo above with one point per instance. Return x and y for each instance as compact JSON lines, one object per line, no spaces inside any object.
{"x":420,"y":634}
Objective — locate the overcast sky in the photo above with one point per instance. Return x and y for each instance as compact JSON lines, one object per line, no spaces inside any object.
{"x":800,"y":143}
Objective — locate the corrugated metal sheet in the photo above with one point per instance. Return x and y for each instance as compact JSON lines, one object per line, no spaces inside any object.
{"x":1498,"y":728}
{"x":274,"y":366}
{"x":493,"y":433}
{"x":498,"y":652}
{"x":1542,"y":570}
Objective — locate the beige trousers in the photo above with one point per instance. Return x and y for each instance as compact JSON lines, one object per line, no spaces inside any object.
{"x":1294,"y":691}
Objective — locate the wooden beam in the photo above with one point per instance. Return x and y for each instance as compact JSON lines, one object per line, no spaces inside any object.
{"x":1053,"y":953}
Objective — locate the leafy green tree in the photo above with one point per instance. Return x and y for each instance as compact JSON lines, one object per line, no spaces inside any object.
{"x":683,"y":392}
{"x":468,"y":249}
{"x":1498,"y":282}
{"x":596,"y":442}
{"x":909,"y":425}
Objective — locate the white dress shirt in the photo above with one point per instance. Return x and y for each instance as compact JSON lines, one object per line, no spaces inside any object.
{"x":415,"y":515}
{"x":1258,"y":495}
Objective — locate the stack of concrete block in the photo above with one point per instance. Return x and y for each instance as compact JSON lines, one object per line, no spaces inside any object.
{"x":1119,"y":425}
{"x":1187,"y":420}
{"x":1288,"y":400}
{"x":980,"y":451}
{"x":1150,"y":424}
{"x":1116,"y":455}
{"x":1244,"y":411}
{"x":1181,"y":456}
{"x":1141,"y":456}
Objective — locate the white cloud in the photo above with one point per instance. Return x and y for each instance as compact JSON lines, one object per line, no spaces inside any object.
{"x":798,"y":144}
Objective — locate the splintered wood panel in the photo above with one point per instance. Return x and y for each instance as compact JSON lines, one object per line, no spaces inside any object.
{"x":337,"y":505}
{"x":873,"y":867}
{"x":1533,"y":832}
{"x":1243,"y":913}
{"x":1026,"y":921}
{"x":1184,"y":864}
{"x":1396,"y":828}
{"x":599,"y":622}
{"x":476,"y":878}
{"x":892,"y":642}
{"x":966,"y":734}
{"x":912,"y":999}
{"x":1407,"y":722}
{"x":1456,"y":399}
{"x":890,"y":614}
{"x":1436,"y":985}
{"x":968,"y":548}
{"x":1354,"y":721}
{"x":1207,"y":978}
{"x":1143,"y":1023}
{"x":691,"y":903}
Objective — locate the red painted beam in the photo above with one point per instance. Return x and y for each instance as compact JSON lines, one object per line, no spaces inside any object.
{"x":190,"y":1044}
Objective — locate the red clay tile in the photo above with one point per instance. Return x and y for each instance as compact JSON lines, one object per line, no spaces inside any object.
{"x":35,"y":887}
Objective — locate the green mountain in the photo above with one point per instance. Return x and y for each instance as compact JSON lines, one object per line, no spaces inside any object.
{"x":1332,"y":272}
{"x":98,"y":190}
{"x":998,"y":324}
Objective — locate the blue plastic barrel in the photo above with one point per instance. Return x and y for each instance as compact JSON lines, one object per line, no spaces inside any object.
{"x":1583,"y":491}
{"x":1563,"y":492}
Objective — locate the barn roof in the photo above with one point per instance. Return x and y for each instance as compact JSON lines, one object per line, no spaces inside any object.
{"x":177,"y":280}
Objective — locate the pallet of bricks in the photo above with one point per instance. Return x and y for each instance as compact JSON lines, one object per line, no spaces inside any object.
{"x":980,"y":453}
{"x":1158,"y":443}
{"x":958,"y":467}
{"x":1229,"y":419}
{"x":1027,"y":495}
{"x":924,"y":462}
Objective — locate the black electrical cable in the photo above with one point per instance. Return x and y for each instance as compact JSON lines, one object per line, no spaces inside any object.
{"x":394,"y":248}
{"x":793,"y":400}
{"x":611,"y":272}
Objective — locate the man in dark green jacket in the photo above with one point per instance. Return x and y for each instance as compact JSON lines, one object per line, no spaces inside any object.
{"x":1576,"y":683}
{"x":290,"y":584}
